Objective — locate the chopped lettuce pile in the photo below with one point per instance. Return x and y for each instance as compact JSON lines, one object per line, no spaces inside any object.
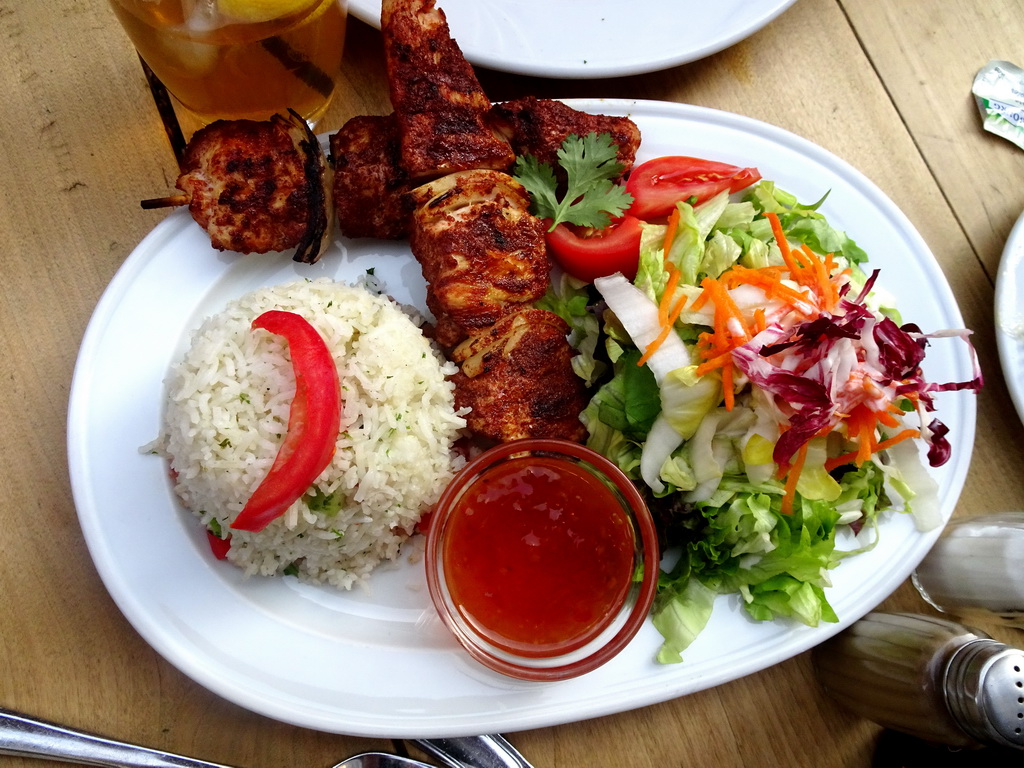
{"x":777,"y":407}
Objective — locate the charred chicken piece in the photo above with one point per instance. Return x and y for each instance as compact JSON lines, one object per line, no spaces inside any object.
{"x":539,"y":126}
{"x":443,"y":113}
{"x":259,"y":186}
{"x":518,"y":380}
{"x":482,"y":253}
{"x":369,"y":181}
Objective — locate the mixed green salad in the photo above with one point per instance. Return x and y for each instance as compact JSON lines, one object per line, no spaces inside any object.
{"x":751,"y":378}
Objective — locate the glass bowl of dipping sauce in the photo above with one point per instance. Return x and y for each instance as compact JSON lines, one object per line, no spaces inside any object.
{"x":542,"y":559}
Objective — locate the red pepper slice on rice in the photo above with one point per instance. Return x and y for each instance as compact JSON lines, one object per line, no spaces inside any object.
{"x":218,"y":546}
{"x":313,"y":422}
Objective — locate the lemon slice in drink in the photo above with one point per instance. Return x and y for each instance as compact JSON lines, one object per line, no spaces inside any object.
{"x":255,"y":11}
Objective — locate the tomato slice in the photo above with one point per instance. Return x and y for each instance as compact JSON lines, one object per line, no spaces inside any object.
{"x":589,"y":254}
{"x":659,"y":184}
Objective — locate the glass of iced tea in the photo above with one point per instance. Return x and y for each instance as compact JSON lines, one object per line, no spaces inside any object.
{"x":235,"y":59}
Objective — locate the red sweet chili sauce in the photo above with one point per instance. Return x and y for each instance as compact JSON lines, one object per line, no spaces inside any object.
{"x":538,"y":555}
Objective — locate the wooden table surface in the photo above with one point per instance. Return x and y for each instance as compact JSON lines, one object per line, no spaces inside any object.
{"x":885,"y":86}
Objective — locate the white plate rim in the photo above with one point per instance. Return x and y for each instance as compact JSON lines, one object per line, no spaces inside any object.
{"x":610,"y":689}
{"x":617,"y":57}
{"x":1009,"y":316}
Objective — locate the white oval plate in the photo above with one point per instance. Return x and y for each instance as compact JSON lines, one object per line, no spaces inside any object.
{"x":1010,"y":314}
{"x":377,"y":662}
{"x":593,"y":38}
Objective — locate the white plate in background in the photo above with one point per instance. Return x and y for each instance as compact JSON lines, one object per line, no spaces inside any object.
{"x":1009,"y":312}
{"x":593,"y":38}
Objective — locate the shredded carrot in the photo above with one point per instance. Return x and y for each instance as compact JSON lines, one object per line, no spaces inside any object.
{"x":826,"y":290}
{"x":789,"y":489}
{"x":712,"y":363}
{"x":666,"y":328}
{"x":677,"y":309}
{"x":727,"y":387}
{"x":768,"y":279}
{"x":895,"y":412}
{"x":808,"y":269}
{"x":851,"y":457}
{"x":741,"y":274}
{"x":760,"y":323}
{"x":655,"y":344}
{"x":670,"y":289}
{"x":730,"y":330}
{"x":725,"y":311}
{"x":804,"y":258}
{"x":860,"y":426}
{"x":668,"y":312}
{"x":701,"y":300}
{"x":670,"y":232}
{"x":782,"y":242}
{"x":889,"y":442}
{"x":887,"y":419}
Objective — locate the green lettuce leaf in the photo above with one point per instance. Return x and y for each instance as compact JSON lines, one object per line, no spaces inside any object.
{"x":569,"y":298}
{"x":802,"y":223}
{"x":680,"y":617}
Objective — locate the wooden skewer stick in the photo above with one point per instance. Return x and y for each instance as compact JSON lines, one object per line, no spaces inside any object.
{"x":165,"y":202}
{"x":165,"y":108}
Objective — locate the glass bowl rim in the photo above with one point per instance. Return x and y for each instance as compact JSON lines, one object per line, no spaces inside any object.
{"x":640,"y":594}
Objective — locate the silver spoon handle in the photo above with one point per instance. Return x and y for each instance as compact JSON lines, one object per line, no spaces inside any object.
{"x":24,"y":736}
{"x":488,"y":751}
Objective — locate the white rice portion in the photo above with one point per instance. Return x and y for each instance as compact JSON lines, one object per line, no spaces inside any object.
{"x":227,"y":413}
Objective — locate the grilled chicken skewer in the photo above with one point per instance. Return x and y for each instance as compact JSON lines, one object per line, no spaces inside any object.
{"x":443,"y":113}
{"x":258,"y":186}
{"x":370,"y":184}
{"x":517,"y":379}
{"x":538,"y":127}
{"x":485,"y":261}
{"x":482,"y":253}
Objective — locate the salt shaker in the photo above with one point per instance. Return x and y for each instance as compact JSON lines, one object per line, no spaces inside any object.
{"x":974,"y":570}
{"x":928,"y":677}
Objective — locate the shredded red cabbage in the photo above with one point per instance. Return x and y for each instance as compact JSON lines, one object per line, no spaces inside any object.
{"x":815,"y":371}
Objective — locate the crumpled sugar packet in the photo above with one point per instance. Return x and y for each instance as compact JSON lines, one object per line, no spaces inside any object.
{"x":999,"y":90}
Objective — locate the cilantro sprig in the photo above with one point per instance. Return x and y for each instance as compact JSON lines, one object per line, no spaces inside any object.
{"x":591,"y":197}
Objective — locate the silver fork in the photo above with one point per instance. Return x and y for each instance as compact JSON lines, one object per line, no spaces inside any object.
{"x":24,"y":736}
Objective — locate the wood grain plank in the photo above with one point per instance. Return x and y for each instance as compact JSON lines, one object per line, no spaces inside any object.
{"x":927,"y":56}
{"x":82,"y":145}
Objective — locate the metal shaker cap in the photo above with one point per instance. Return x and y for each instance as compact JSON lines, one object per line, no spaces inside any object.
{"x":984,"y":690}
